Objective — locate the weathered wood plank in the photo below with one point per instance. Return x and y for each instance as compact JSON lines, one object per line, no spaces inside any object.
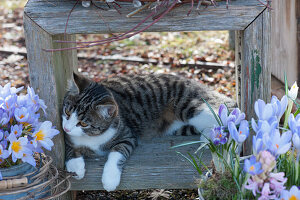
{"x":238,"y":65}
{"x":48,"y":76}
{"x":298,"y":38}
{"x":86,"y":20}
{"x":255,"y":68}
{"x":284,"y":40}
{"x":152,"y":165}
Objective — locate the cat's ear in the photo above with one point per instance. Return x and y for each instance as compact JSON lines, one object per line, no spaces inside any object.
{"x":107,"y":111}
{"x":80,"y":82}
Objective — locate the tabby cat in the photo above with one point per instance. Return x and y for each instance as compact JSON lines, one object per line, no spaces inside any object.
{"x":108,"y":117}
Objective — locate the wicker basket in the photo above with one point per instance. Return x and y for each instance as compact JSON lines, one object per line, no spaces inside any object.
{"x":45,"y":182}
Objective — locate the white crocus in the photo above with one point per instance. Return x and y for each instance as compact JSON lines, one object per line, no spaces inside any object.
{"x":293,"y":92}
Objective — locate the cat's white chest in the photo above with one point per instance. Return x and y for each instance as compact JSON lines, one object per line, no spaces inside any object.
{"x":94,"y":142}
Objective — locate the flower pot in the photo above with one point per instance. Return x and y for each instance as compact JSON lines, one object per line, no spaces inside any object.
{"x":44,"y":182}
{"x":17,"y":172}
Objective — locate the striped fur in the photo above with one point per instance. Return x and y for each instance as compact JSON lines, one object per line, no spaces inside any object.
{"x":131,"y":105}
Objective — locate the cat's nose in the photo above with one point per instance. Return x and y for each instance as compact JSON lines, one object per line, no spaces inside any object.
{"x":66,"y":130}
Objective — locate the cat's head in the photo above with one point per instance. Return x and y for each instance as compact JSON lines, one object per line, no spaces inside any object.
{"x":88,"y":108}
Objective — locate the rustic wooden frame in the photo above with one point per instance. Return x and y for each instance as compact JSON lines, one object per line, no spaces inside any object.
{"x":44,"y":23}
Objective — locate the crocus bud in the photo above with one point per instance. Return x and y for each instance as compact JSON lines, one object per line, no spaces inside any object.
{"x":293,"y":92}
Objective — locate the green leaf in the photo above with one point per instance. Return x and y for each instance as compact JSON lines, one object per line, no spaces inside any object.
{"x":186,"y":143}
{"x":190,"y":161}
{"x":195,"y":164}
{"x":201,"y":147}
{"x":213,"y":112}
{"x":286,"y":84}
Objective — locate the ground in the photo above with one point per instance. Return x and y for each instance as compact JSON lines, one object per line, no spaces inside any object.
{"x":176,"y":53}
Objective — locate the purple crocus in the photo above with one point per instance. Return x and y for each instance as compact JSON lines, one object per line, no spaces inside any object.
{"x":218,"y":135}
{"x":43,"y":135}
{"x":278,"y":143}
{"x":263,"y":111}
{"x":3,"y":153}
{"x":294,"y":123}
{"x":18,"y":147}
{"x":239,"y":135}
{"x":35,"y":101}
{"x":262,"y":127}
{"x":28,"y":157}
{"x":279,"y":106}
{"x":252,"y":167}
{"x":257,"y":145}
{"x":4,"y":117}
{"x":17,"y":130}
{"x":235,"y":116}
{"x":22,"y":114}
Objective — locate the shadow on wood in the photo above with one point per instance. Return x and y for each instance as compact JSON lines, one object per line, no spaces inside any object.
{"x":153,"y":165}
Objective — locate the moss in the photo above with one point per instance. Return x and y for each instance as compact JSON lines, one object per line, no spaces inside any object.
{"x":219,"y":187}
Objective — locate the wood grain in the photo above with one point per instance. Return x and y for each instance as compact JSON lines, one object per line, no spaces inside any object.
{"x":255,"y":68}
{"x":48,"y":76}
{"x":284,"y":40}
{"x":53,"y":18}
{"x":153,"y":165}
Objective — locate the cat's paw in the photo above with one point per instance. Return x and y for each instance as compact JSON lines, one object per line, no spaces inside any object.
{"x":111,"y":177}
{"x":112,"y":172}
{"x":76,"y":165}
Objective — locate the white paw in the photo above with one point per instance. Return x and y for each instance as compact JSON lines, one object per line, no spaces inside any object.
{"x":111,"y":178}
{"x":111,"y":173}
{"x":76,"y":165}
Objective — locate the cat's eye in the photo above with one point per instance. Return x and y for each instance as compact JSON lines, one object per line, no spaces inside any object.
{"x":81,"y":123}
{"x":67,"y":112}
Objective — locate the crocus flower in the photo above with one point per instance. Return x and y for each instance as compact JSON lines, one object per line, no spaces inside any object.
{"x":263,"y":111}
{"x":4,"y":117}
{"x":235,"y":116}
{"x":257,"y":145}
{"x":293,"y":194}
{"x":279,"y":106}
{"x":17,"y":147}
{"x":239,"y":135}
{"x":9,"y":102}
{"x":293,"y":92}
{"x":263,"y":127}
{"x":17,"y":130}
{"x":218,"y":135}
{"x":276,"y":143}
{"x":28,"y":157}
{"x":44,"y":134}
{"x":294,"y":123}
{"x":35,"y":101}
{"x":7,"y":90}
{"x":3,"y":153}
{"x":252,"y":166}
{"x":22,"y":114}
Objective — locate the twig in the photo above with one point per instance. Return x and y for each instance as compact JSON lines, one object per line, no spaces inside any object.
{"x":115,"y":7}
{"x":69,"y":16}
{"x":139,"y":9}
{"x":192,"y":6}
{"x":119,"y":38}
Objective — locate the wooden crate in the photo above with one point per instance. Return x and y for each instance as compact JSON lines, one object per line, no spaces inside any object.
{"x":44,"y":23}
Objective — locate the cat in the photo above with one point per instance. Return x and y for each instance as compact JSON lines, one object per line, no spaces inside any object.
{"x":109,"y":117}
